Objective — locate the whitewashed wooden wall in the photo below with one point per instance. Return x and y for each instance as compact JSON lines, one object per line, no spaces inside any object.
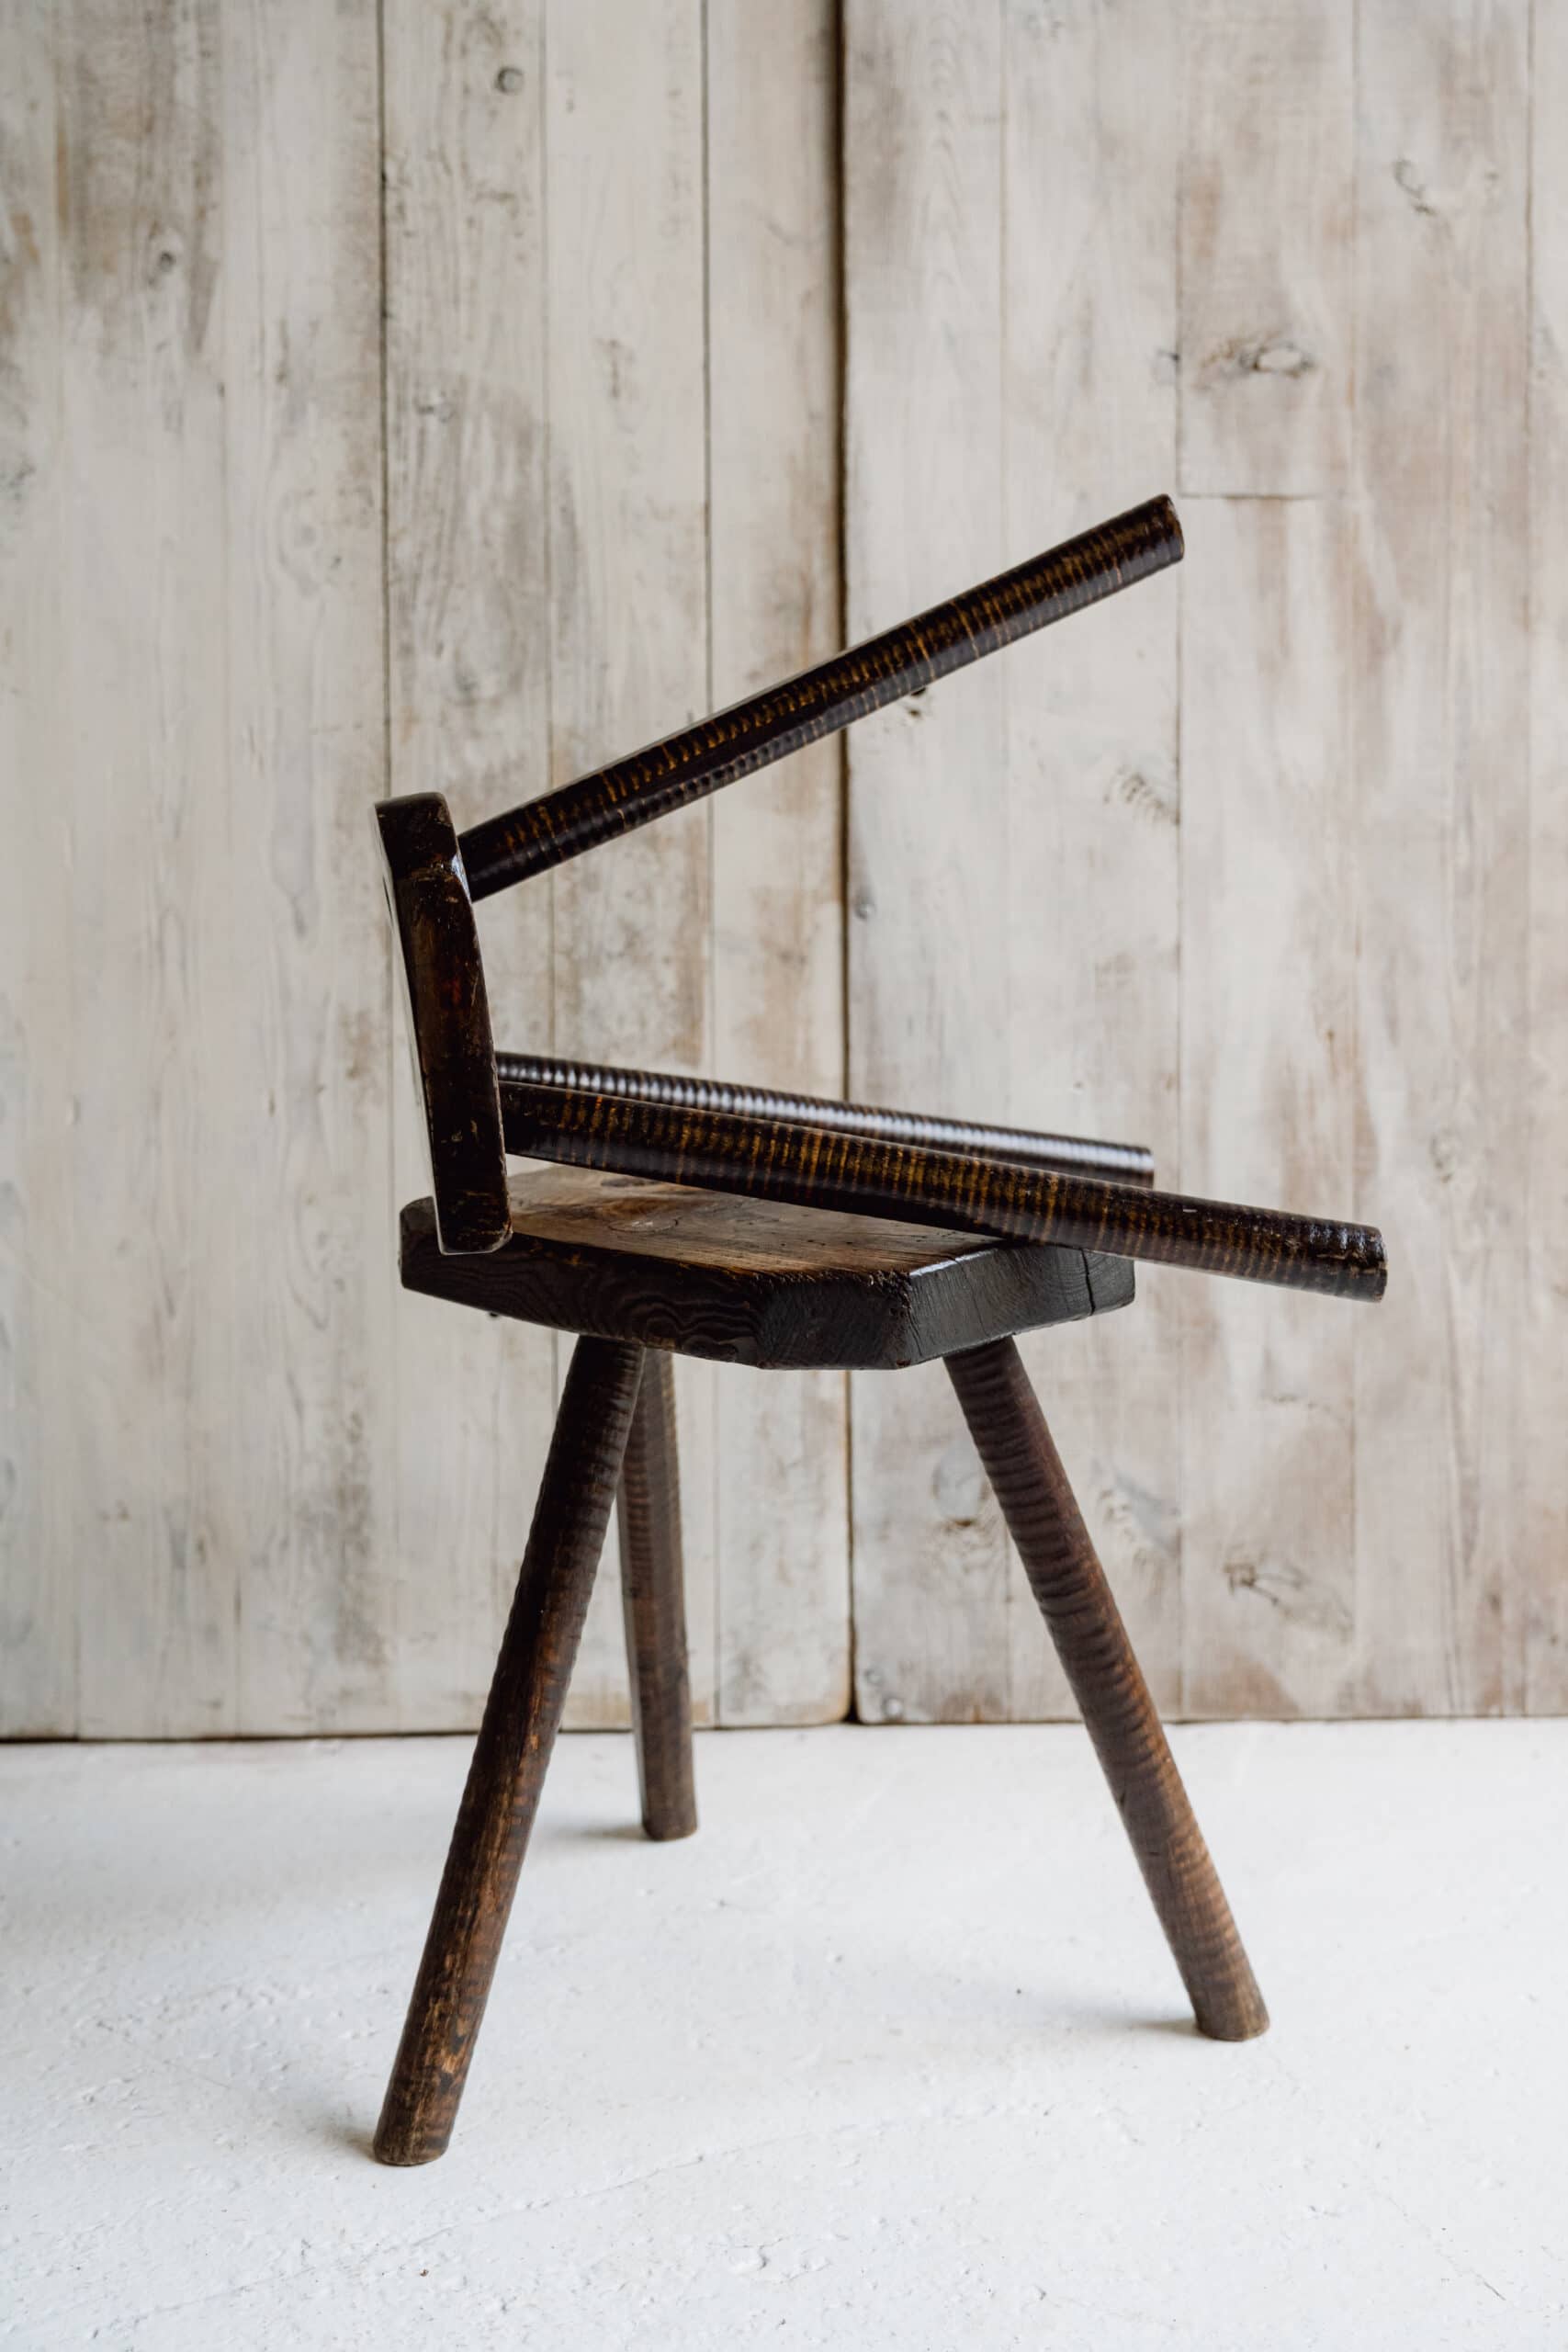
{"x":271,"y":536}
{"x":451,"y":395}
{"x":1267,"y":864}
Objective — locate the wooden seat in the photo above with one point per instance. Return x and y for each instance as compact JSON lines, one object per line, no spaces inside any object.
{"x":758,"y":1282}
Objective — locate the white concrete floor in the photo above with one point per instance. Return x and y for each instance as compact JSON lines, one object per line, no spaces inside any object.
{"x":890,"y":2054}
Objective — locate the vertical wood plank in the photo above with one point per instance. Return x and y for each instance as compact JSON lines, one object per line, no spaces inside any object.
{"x":38,"y":1597}
{"x":1269,"y":1098}
{"x":1543,"y":1609}
{"x":222,"y":561}
{"x":1266,"y":354}
{"x":145,"y":770}
{"x":1267,"y":1060}
{"x":1091,"y":165}
{"x":469,"y":621}
{"x":294,"y":1248}
{"x":1442,"y":792}
{"x":772,"y":304}
{"x":929,"y":815}
{"x":629,"y":611}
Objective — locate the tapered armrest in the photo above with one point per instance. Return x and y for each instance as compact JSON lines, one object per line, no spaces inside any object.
{"x":1128,"y":1163}
{"x":780,"y":1160}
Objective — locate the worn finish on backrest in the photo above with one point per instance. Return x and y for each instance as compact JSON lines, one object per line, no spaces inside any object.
{"x":448,"y":1017}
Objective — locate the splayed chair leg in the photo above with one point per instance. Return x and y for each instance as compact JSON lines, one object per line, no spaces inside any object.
{"x":654,"y":1601}
{"x":1077,"y":1603}
{"x":513,"y":1752}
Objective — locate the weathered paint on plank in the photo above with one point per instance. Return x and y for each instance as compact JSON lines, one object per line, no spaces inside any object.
{"x":38,"y":1331}
{"x":1268,"y":1096}
{"x":152,"y":1535}
{"x":1265,"y":260}
{"x":1441,"y":845}
{"x":467,"y":594}
{"x":1540,"y":1614}
{"x":929,"y":852}
{"x":627,"y":493}
{"x":291,"y":1235}
{"x":781,"y":1529}
{"x":1093,"y":790}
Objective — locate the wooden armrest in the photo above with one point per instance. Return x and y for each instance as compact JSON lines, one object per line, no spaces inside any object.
{"x":778,"y":1159}
{"x":1130,"y":1163}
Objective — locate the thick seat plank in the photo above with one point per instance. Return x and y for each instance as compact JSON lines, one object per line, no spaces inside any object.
{"x":753,"y":1281}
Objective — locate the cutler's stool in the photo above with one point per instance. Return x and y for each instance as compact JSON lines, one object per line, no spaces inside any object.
{"x":683,"y":1216}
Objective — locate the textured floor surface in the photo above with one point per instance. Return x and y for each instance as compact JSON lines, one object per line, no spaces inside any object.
{"x":890,"y":2054}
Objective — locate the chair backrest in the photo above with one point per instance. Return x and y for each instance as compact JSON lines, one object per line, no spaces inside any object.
{"x":428,"y":867}
{"x":837,"y":1157}
{"x":449,"y":1019}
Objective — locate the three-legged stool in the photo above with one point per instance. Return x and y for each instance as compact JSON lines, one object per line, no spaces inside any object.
{"x":643,"y":1270}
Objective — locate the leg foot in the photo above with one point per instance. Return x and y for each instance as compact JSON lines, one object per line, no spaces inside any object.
{"x":521,"y":1719}
{"x":1077,"y":1603}
{"x":653,"y":1597}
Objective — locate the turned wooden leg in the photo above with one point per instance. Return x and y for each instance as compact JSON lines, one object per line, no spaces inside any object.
{"x":654,"y":1600}
{"x":521,"y":1719}
{"x":1076,"y":1601}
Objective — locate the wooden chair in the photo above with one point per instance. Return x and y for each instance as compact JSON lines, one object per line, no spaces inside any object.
{"x":678,"y":1215}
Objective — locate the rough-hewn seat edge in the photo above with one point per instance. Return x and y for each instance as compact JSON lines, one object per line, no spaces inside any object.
{"x":770,"y":1320}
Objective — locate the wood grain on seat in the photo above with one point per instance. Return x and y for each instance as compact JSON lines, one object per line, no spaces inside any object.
{"x":754,"y":1282}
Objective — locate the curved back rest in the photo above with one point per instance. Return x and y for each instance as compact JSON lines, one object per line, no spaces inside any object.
{"x":448,"y":1018}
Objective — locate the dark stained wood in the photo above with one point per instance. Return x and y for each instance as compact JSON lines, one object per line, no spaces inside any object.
{"x":654,"y":1602}
{"x":774,"y":1160}
{"x":689,"y":1216}
{"x":1129,"y":1164}
{"x":511,"y":1754}
{"x":1079,"y":1607}
{"x":448,"y":1018}
{"x":754,"y":1282}
{"x":686,"y":767}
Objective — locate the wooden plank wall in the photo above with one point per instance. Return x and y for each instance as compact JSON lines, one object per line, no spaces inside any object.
{"x":199,"y":1509}
{"x":411,"y":392}
{"x":260,"y":558}
{"x":1270,"y":869}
